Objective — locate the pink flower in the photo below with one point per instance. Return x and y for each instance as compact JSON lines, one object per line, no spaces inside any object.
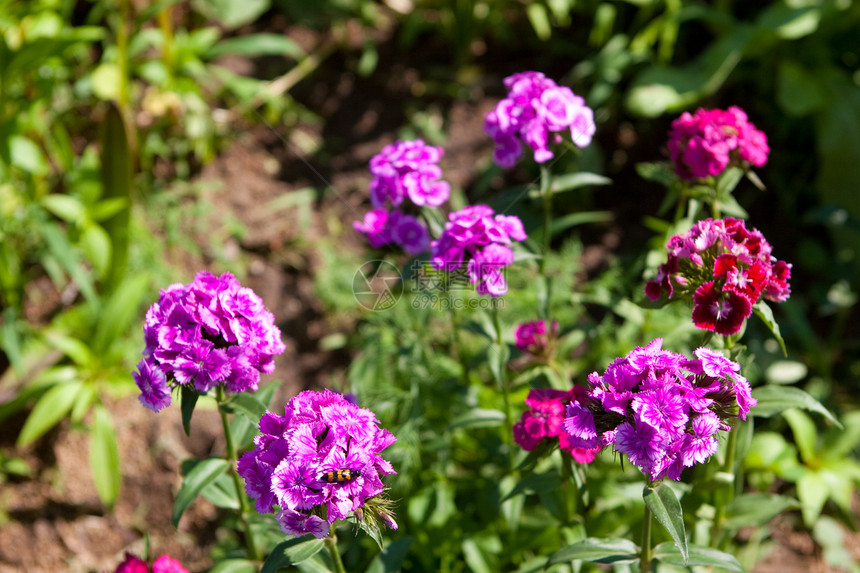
{"x":531,"y":334}
{"x":704,"y":144}
{"x":544,"y":419}
{"x":132,"y":564}
{"x":166,"y":564}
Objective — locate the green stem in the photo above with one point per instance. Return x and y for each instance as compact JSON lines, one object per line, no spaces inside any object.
{"x":506,"y":394}
{"x":331,"y":544}
{"x":455,"y":327}
{"x":250,"y":544}
{"x":645,"y":551}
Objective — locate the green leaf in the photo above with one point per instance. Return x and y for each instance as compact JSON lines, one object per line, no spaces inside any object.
{"x":666,"y":509}
{"x":539,"y":18}
{"x":222,"y":493}
{"x":231,"y":13}
{"x":188,"y":399}
{"x":764,"y":312}
{"x":52,"y":407}
{"x":535,"y":483}
{"x":805,"y":433}
{"x":235,"y":566}
{"x":789,"y":22}
{"x":67,"y":258}
{"x":26,"y":155}
{"x":775,"y":399}
{"x":95,"y":243}
{"x":104,"y":457}
{"x":10,"y":340}
{"x":201,"y":475}
{"x":564,"y":223}
{"x":107,"y":80}
{"x":571,"y":181}
{"x":123,"y":308}
{"x":698,"y":556}
{"x":75,"y":349}
{"x":597,"y":550}
{"x":659,"y":172}
{"x":65,"y":207}
{"x":390,"y":559}
{"x":812,"y":491}
{"x":246,"y":404}
{"x":756,"y":509}
{"x":257,"y":45}
{"x":291,"y":552}
{"x":474,"y":557}
{"x":116,"y":176}
{"x":478,"y":418}
{"x":497,"y":356}
{"x":107,"y":208}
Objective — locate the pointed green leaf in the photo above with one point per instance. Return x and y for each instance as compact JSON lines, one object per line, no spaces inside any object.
{"x":291,"y":552}
{"x":775,"y":399}
{"x":535,"y":483}
{"x":52,"y":407}
{"x":222,"y":493}
{"x":257,"y":45}
{"x":245,"y":404}
{"x":478,"y":418}
{"x":235,"y":566}
{"x":116,"y":175}
{"x":764,"y":312}
{"x":497,"y":356}
{"x":812,"y":491}
{"x":104,"y":457}
{"x":754,"y":509}
{"x":75,"y":349}
{"x":666,"y":509}
{"x":571,"y":181}
{"x":698,"y":556}
{"x":188,"y":399}
{"x":201,"y":475}
{"x":564,"y":223}
{"x":65,"y":207}
{"x":597,"y":550}
{"x":805,"y":433}
{"x":122,"y":310}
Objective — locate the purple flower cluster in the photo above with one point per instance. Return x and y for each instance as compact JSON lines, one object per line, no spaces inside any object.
{"x":704,"y":144}
{"x":659,"y":408}
{"x":406,"y":169}
{"x":724,"y":268}
{"x":209,"y":332}
{"x":483,"y":236}
{"x":535,"y":111}
{"x":318,"y":463}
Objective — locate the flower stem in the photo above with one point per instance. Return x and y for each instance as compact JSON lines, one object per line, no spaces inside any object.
{"x":645,"y":551}
{"x":506,"y":393}
{"x":250,"y":544}
{"x":331,"y":544}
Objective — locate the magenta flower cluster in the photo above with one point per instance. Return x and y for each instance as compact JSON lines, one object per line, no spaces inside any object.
{"x":535,"y":112}
{"x":207,"y":333}
{"x":705,"y":143}
{"x":164,"y":564}
{"x":482,"y":236}
{"x":404,"y":170}
{"x":544,"y":420}
{"x":296,"y":459}
{"x":724,"y":268}
{"x":660,"y":409}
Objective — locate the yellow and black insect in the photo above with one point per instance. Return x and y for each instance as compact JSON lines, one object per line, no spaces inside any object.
{"x":340,"y":476}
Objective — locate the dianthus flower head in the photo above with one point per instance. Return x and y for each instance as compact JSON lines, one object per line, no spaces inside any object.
{"x":660,"y":409}
{"x":164,"y":564}
{"x":318,"y":463}
{"x":705,"y":143}
{"x":478,"y":234}
{"x":408,"y":169}
{"x":536,"y":340}
{"x":204,"y":334}
{"x":535,"y":111}
{"x":383,"y":227}
{"x":723,"y":268}
{"x":544,"y":419}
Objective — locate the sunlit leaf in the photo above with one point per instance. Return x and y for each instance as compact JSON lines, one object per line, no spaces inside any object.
{"x":697,"y":556}
{"x":597,"y":550}
{"x":291,"y":552}
{"x":51,"y":407}
{"x":104,"y":457}
{"x":201,"y":475}
{"x":666,"y":509}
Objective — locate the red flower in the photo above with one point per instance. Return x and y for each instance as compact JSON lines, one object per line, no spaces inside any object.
{"x":721,"y":312}
{"x":744,"y":280}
